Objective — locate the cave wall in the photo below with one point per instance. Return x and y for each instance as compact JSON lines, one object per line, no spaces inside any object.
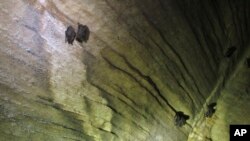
{"x":144,"y":61}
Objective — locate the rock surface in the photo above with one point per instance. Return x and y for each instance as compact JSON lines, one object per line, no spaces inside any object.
{"x":144,"y":61}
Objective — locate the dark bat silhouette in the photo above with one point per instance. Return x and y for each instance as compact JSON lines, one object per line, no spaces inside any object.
{"x":70,"y":35}
{"x":82,"y":33}
{"x":180,"y":118}
{"x":210,"y":109}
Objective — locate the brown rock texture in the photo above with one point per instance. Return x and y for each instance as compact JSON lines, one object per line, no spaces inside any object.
{"x":144,"y":61}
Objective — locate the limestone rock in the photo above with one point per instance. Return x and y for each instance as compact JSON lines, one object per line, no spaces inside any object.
{"x":144,"y":61}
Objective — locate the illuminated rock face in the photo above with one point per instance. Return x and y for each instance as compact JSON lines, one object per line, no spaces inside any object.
{"x":143,"y":62}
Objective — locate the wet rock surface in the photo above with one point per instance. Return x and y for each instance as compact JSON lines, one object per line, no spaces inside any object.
{"x":144,"y":61}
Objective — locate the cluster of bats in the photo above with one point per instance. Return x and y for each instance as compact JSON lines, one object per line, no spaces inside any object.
{"x":81,"y":35}
{"x":180,"y":118}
